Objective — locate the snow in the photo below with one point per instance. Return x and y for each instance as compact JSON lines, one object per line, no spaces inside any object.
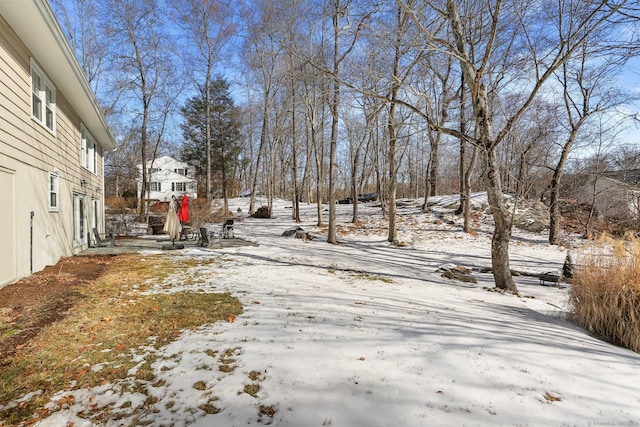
{"x":364,"y":333}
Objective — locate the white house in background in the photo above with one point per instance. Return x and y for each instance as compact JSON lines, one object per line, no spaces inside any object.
{"x":53,"y":137}
{"x":168,"y":177}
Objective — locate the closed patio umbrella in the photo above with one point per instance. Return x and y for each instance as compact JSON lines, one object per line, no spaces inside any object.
{"x":183,"y":214}
{"x":172,"y":225}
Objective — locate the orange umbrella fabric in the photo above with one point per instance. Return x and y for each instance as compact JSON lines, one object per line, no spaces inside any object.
{"x":183,"y":215}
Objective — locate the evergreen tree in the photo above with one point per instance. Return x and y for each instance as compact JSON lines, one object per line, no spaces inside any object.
{"x":567,"y":268}
{"x":224,"y":119}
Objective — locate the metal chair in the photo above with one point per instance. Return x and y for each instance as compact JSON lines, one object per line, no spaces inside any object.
{"x":227,"y":229}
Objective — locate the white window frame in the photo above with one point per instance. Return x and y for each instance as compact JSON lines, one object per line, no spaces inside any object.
{"x":43,"y":99}
{"x":178,"y":186}
{"x":88,"y":147}
{"x":156,"y":184}
{"x":181,"y":171}
{"x":54,"y":192}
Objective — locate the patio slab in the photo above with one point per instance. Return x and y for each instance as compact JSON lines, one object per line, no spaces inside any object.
{"x":133,"y":245}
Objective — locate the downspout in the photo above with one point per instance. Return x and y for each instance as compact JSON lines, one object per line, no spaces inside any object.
{"x":31,"y":244}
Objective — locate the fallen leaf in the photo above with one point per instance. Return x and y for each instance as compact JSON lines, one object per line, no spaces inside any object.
{"x":232,"y":318}
{"x":66,"y":400}
{"x":551,"y":398}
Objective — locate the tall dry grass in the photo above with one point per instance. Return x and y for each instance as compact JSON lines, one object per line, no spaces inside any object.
{"x":605,"y":296}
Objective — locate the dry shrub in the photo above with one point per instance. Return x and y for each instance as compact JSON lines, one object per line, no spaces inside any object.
{"x":120,"y":204}
{"x":605,"y":296}
{"x":200,"y":213}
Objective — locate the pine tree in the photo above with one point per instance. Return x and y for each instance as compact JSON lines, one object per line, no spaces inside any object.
{"x":225,"y":134}
{"x":567,"y":268}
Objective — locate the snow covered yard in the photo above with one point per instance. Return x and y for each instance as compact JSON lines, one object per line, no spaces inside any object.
{"x":367,"y":334}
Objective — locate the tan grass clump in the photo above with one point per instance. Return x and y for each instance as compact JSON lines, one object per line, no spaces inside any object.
{"x":605,"y":296}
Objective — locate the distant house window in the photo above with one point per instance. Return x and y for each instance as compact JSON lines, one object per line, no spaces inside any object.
{"x":155,"y":186}
{"x":88,"y":151}
{"x":178,"y":186}
{"x":43,"y":99}
{"x":181,"y":171}
{"x":53,"y":191}
{"x":153,"y":170}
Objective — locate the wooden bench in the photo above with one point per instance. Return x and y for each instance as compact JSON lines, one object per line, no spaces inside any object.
{"x":549,"y":277}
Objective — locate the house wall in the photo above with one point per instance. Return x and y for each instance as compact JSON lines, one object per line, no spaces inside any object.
{"x":165,"y":176}
{"x":28,"y":153}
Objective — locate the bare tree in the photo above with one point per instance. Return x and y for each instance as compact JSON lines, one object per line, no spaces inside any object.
{"x":493,"y":38}
{"x":341,"y":16}
{"x":142,"y":67}
{"x":587,"y":90}
{"x":208,"y":25}
{"x":80,"y":20}
{"x":263,"y":56}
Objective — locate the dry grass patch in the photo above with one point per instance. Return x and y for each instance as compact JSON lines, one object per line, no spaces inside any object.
{"x":252,"y":390}
{"x":605,"y":296}
{"x":96,"y":342}
{"x":363,"y":275}
{"x":269,"y":411}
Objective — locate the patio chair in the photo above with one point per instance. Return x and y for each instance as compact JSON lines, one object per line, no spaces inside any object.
{"x":227,"y":229}
{"x":109,"y":239}
{"x":207,"y":236}
{"x":204,"y":237}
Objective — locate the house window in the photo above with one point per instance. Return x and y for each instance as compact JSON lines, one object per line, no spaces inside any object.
{"x":43,"y":99}
{"x":153,"y":170}
{"x":181,"y":171}
{"x":155,"y":186}
{"x":178,"y":186}
{"x":88,"y":157}
{"x":53,"y":191}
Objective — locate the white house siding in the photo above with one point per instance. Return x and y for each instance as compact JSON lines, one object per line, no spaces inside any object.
{"x":165,"y":174}
{"x":28,"y":153}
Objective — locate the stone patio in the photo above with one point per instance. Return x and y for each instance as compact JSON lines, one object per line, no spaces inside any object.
{"x":132,"y":245}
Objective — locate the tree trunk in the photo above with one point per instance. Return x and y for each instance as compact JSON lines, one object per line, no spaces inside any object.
{"x":263,"y":138}
{"x":354,"y":185}
{"x":466,"y":203}
{"x":392,"y":175}
{"x":294,"y":143}
{"x":501,"y":217}
{"x":334,"y":107}
{"x":143,"y":155}
{"x":208,"y":136}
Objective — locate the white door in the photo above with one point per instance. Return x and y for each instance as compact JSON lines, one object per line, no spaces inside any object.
{"x":8,"y":260}
{"x":80,"y":234}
